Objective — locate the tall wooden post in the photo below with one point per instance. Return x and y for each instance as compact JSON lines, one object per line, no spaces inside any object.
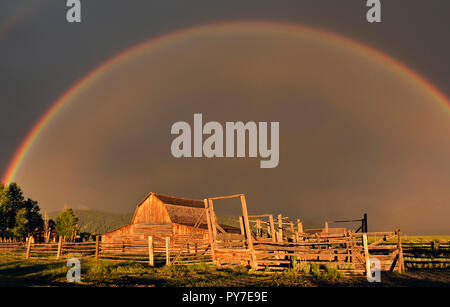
{"x":212,"y":216}
{"x":299,"y":228}
{"x":272,"y":229}
{"x":58,"y":252}
{"x":280,"y":228}
{"x":241,"y":224}
{"x":248,"y":232}
{"x":27,"y":255}
{"x":167,"y":250}
{"x":294,"y":237}
{"x":258,"y":229}
{"x":348,"y":258}
{"x":401,"y":262}
{"x":210,"y":232}
{"x":364,"y":229}
{"x":97,"y":245}
{"x":326,"y":226}
{"x":366,"y":254}
{"x":151,"y":261}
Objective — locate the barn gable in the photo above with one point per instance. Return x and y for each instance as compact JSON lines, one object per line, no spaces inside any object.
{"x":160,"y":216}
{"x":162,"y":209}
{"x":150,"y":211}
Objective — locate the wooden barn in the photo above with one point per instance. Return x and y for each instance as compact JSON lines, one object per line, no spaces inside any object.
{"x":162,"y":216}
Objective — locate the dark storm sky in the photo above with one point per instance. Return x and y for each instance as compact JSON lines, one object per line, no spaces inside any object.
{"x":41,"y":55}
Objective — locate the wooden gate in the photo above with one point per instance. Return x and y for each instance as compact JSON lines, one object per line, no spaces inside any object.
{"x":230,"y":246}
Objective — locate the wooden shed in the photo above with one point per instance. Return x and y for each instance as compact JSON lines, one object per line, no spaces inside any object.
{"x":162,"y":216}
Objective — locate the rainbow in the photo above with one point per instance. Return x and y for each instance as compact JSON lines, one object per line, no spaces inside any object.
{"x":16,"y":16}
{"x":29,"y":140}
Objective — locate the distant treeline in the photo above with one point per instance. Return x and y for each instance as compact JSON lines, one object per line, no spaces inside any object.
{"x":97,"y":222}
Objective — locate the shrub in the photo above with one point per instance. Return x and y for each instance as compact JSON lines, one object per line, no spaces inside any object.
{"x":331,"y":272}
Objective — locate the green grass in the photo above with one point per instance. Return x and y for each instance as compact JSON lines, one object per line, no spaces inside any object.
{"x":21,"y":272}
{"x":425,"y":238}
{"x":407,"y":238}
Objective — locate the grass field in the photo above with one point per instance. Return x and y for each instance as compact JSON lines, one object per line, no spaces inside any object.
{"x":20,"y":272}
{"x":424,"y":238}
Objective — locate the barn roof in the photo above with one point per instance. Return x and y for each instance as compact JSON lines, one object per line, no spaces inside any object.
{"x":187,"y":211}
{"x":178,"y":201}
{"x":186,"y":215}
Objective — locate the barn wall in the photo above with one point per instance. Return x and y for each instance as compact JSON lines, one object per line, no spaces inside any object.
{"x":152,"y":218}
{"x":179,"y":229}
{"x":152,"y":210}
{"x":120,"y":232}
{"x":138,"y":233}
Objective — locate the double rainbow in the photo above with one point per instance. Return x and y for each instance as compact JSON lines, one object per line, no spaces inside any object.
{"x":128,"y":54}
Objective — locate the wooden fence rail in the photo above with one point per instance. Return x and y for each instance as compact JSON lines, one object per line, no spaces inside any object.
{"x":323,"y":249}
{"x":155,"y":251}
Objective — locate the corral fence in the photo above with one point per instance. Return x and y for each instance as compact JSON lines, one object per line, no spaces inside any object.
{"x":155,"y":251}
{"x":318,"y":249}
{"x":282,"y":244}
{"x":426,"y":254}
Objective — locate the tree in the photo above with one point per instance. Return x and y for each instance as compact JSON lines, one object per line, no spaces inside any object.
{"x":12,"y":202}
{"x":21,"y":227}
{"x":35,"y":221}
{"x":66,"y":223}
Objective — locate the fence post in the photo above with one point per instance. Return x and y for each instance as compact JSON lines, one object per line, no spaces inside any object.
{"x":97,"y":244}
{"x":280,"y":228}
{"x":241,"y":224}
{"x":299,"y":229}
{"x":294,"y":237}
{"x":210,"y":231}
{"x":365,"y":223}
{"x":58,"y":253}
{"x":366,"y":254}
{"x":248,"y":231}
{"x":258,"y":229}
{"x":167,"y":250}
{"x":272,"y":228}
{"x":401,"y":263}
{"x":150,"y":251}
{"x":28,"y":248}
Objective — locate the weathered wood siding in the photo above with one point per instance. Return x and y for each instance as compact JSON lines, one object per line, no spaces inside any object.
{"x":151,"y":210}
{"x":179,"y":229}
{"x":155,"y":218}
{"x":120,"y":232}
{"x":138,"y":233}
